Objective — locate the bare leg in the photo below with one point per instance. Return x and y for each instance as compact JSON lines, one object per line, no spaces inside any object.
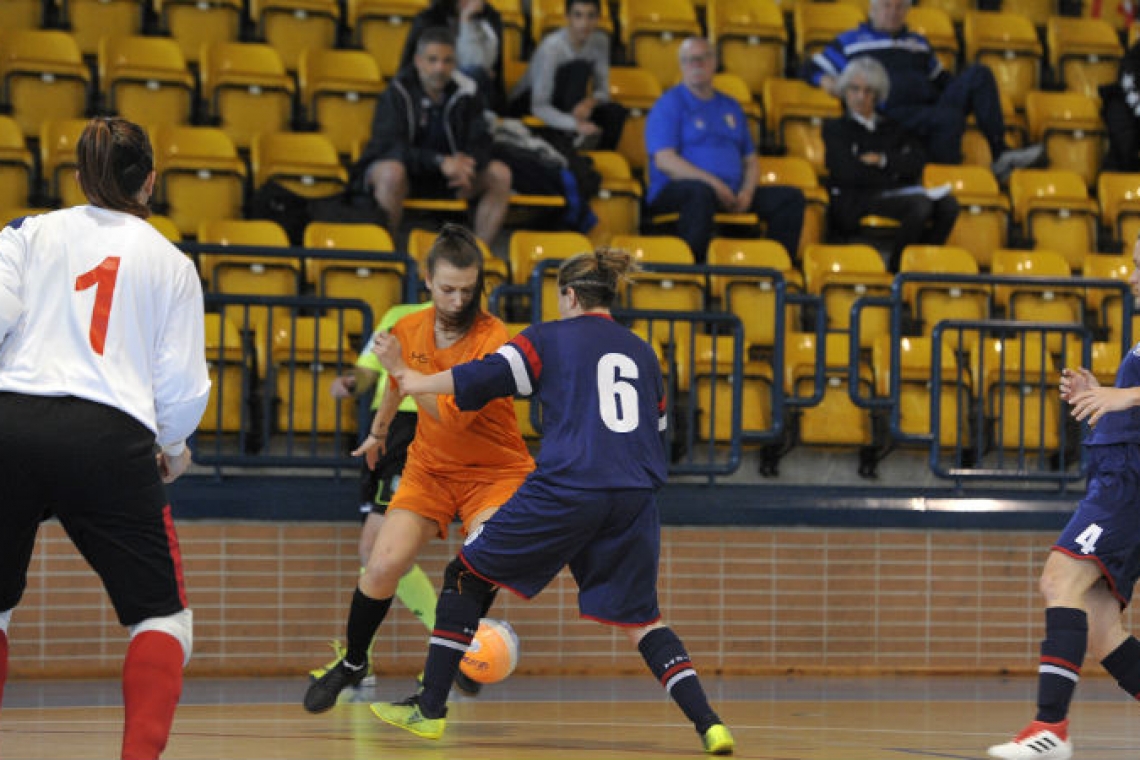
{"x":493,"y":187}
{"x":388,"y":181}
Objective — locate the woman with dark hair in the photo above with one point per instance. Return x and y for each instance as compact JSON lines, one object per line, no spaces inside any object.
{"x":589,"y":503}
{"x":460,"y":464}
{"x":103,"y":371}
{"x":478,"y":30}
{"x":875,"y":166}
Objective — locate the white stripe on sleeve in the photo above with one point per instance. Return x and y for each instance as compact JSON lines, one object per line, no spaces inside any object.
{"x":517,"y":364}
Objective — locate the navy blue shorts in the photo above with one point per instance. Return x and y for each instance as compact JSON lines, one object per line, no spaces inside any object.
{"x":1106,"y":526}
{"x":610,"y":539}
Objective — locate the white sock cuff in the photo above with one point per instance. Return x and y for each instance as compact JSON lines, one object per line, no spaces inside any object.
{"x":5,"y":619}
{"x":180,"y":625}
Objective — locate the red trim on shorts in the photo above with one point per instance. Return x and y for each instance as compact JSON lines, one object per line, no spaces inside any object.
{"x":616,"y":624}
{"x":1103,"y":571}
{"x":1062,"y":663}
{"x":492,"y":581}
{"x":175,"y":553}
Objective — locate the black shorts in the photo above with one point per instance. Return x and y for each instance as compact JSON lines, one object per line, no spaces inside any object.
{"x":377,"y":486}
{"x":94,"y":467}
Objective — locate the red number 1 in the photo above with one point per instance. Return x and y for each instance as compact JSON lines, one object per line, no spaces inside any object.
{"x":103,"y":278}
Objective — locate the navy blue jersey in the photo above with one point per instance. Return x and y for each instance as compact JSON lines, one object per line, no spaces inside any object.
{"x":602,"y":399}
{"x":1121,"y":427}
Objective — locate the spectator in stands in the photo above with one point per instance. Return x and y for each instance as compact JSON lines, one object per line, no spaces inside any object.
{"x":567,"y":83}
{"x":875,"y":166}
{"x":429,"y":139}
{"x":1121,"y":109}
{"x":478,"y":31}
{"x":103,"y":377}
{"x":460,"y":465}
{"x":1094,"y":565}
{"x":702,"y":159}
{"x":924,"y":98}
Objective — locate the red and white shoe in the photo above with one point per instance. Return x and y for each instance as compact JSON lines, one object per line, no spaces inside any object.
{"x":1039,"y":741}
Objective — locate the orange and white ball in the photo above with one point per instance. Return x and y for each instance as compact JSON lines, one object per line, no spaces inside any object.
{"x":493,"y":654}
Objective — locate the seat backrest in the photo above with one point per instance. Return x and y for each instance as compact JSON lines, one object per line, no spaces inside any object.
{"x":352,"y":73}
{"x":1115,"y":189}
{"x":355,"y":237}
{"x":243,"y":232}
{"x":527,"y":248}
{"x":242,"y":63}
{"x":820,"y":260}
{"x":963,"y":178}
{"x":298,"y":159}
{"x":634,"y":87}
{"x":655,"y":249}
{"x":1027,"y":185}
{"x":1073,"y":110}
{"x":1066,"y":36}
{"x":938,"y":258}
{"x":58,"y":143}
{"x":815,"y":25}
{"x":796,"y":171}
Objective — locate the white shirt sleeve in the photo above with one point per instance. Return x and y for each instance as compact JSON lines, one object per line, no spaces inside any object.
{"x":11,"y":279}
{"x":181,"y":376}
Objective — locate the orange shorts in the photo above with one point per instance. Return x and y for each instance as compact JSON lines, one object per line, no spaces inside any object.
{"x":443,"y":499}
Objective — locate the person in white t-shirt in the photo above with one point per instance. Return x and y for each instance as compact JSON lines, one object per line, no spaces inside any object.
{"x":102,"y":378}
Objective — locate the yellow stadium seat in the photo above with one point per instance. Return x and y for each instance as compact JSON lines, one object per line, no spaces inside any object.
{"x":836,"y":420}
{"x":1105,"y":361}
{"x":955,"y":9}
{"x":799,"y":172}
{"x":637,"y":90}
{"x":496,"y":272}
{"x":17,"y":170}
{"x":670,"y":291}
{"x":1007,"y":43}
{"x":842,"y":274}
{"x":1069,"y":125}
{"x":915,"y":388}
{"x":653,"y":31}
{"x":753,"y":297}
{"x":547,"y":16}
{"x":1119,"y":197}
{"x":1053,"y":209}
{"x":58,"y":160}
{"x":380,"y":284}
{"x":92,"y":20}
{"x":1033,"y":302}
{"x":229,"y":376}
{"x":246,"y":88}
{"x":338,"y":91}
{"x":935,"y":24}
{"x":514,"y":28}
{"x":308,"y":354}
{"x":292,"y":26}
{"x":166,"y":226}
{"x":983,"y":218}
{"x":713,"y":380}
{"x":750,"y":38}
{"x":44,"y":76}
{"x":931,"y":301}
{"x":1084,"y":53}
{"x":815,"y":25}
{"x":528,"y":248}
{"x":145,"y":80}
{"x":21,"y":14}
{"x":304,"y":162}
{"x":194,"y":23}
{"x":1017,"y":388}
{"x":1038,"y":12}
{"x":200,"y":176}
{"x":1106,"y":306}
{"x":381,"y":28}
{"x":618,"y":202}
{"x":795,"y":112}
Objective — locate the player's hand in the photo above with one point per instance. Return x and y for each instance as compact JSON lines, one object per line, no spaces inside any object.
{"x":371,"y":449}
{"x":343,"y":386}
{"x":171,"y":468}
{"x":1094,"y":403}
{"x":1074,"y":381}
{"x":386,"y":348}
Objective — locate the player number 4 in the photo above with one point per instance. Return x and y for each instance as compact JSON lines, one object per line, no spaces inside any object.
{"x":1088,"y":538}
{"x":102,"y":278}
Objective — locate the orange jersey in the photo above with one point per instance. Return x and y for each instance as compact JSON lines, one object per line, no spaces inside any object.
{"x":485,"y":445}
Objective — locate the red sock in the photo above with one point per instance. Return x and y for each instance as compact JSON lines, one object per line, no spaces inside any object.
{"x":152,"y":684}
{"x":3,"y":664}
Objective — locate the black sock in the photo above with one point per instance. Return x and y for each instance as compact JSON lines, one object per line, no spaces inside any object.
{"x":1123,"y":664}
{"x":364,"y":617}
{"x":667,"y":659}
{"x":1062,"y":653}
{"x":456,"y":620}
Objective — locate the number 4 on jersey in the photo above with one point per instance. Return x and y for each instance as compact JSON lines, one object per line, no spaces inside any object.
{"x":102,"y":278}
{"x":1088,"y":538}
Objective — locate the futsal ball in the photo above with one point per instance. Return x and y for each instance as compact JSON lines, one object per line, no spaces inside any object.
{"x":493,"y":654}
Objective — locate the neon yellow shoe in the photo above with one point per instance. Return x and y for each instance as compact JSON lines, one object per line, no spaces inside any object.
{"x":718,"y":741}
{"x":407,"y":715}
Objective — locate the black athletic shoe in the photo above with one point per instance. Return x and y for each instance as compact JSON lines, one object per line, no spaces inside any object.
{"x":466,"y":685}
{"x":322,"y":693}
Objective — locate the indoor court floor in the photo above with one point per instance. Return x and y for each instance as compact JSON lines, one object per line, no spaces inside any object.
{"x":573,"y":718}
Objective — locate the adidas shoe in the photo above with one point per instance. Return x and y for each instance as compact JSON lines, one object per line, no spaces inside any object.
{"x":1039,"y":741}
{"x":407,"y":715}
{"x":718,"y":741}
{"x":323,"y":692}
{"x":1018,"y":158}
{"x":339,"y":651}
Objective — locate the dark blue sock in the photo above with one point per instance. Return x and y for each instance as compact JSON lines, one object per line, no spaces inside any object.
{"x":667,"y":659}
{"x":456,"y":620}
{"x":1123,"y":664}
{"x":1062,"y":653}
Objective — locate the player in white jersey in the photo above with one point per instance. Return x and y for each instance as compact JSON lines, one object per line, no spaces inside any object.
{"x":102,"y":378}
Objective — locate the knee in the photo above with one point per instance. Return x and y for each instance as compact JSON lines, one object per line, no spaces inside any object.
{"x":979,"y":75}
{"x":457,"y":579}
{"x":180,"y":625}
{"x":497,"y":177}
{"x":388,"y":179}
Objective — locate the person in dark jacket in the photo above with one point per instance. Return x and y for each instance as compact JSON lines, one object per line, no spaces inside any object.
{"x":875,"y":166}
{"x":430,"y":139}
{"x":1121,"y":109}
{"x":478,"y":30}
{"x":925,"y":98}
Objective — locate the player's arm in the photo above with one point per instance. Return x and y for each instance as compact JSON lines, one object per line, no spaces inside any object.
{"x":374,"y":443}
{"x":1094,"y":403}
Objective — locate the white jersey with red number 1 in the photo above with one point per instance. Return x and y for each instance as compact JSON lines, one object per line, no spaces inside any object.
{"x":97,"y":304}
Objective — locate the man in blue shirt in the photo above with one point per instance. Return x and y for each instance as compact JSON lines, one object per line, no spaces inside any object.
{"x":703,"y":160}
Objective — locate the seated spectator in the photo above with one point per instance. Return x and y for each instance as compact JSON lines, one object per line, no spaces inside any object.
{"x":478,"y":32}
{"x":703,"y":159}
{"x":567,"y":83}
{"x":875,"y":166}
{"x":925,"y":98}
{"x":429,"y":139}
{"x":1121,"y":109}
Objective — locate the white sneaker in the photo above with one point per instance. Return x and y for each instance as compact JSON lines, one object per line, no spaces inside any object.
{"x":1039,"y":741}
{"x":1017,"y":158}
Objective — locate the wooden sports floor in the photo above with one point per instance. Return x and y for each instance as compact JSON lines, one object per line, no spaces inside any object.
{"x":572,"y":718}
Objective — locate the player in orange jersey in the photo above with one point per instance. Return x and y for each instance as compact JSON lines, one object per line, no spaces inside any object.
{"x":460,"y":464}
